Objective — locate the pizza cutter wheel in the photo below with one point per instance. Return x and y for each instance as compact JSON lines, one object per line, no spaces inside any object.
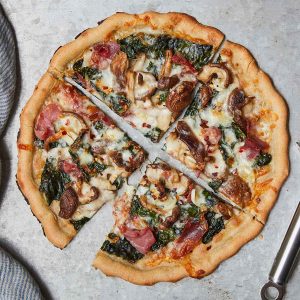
{"x":284,"y":261}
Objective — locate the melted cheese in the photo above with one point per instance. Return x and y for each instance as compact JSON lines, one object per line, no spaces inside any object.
{"x":216,"y":168}
{"x":243,"y":164}
{"x":197,"y":196}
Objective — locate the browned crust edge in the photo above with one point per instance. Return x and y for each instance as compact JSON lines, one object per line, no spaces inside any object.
{"x":256,"y":82}
{"x":178,"y":24}
{"x":25,"y":180}
{"x":228,"y":242}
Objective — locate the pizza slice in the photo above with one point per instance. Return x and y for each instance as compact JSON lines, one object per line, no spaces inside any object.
{"x":170,"y":228}
{"x":72,"y":158}
{"x":234,"y":134}
{"x":144,"y":67}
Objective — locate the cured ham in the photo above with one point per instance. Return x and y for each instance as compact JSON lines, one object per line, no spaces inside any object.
{"x":44,"y":124}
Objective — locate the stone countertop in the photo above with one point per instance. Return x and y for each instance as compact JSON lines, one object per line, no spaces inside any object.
{"x":270,"y":29}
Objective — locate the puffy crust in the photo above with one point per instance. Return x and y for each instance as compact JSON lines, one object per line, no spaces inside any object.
{"x":122,"y":24}
{"x":256,"y":82}
{"x":38,"y":205}
{"x":203,"y":260}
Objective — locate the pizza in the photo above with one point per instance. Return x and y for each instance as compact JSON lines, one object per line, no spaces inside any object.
{"x":229,"y":135}
{"x":205,"y":103}
{"x":169,"y":227}
{"x":76,"y":160}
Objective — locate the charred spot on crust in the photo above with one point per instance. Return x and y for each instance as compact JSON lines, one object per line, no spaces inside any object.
{"x":81,"y":33}
{"x":56,"y":50}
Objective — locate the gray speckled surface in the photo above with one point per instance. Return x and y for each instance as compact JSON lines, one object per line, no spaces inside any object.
{"x":270,"y":29}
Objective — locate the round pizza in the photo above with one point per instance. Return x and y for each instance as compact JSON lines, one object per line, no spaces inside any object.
{"x":202,"y":106}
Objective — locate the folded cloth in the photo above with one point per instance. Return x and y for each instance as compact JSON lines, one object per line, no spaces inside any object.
{"x":7,"y":69}
{"x":15,"y":281}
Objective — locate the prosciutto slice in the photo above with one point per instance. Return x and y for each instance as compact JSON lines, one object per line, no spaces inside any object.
{"x":70,"y":168}
{"x":102,"y":53}
{"x":191,"y":236}
{"x":44,"y":123}
{"x":253,"y":146}
{"x":142,"y":240}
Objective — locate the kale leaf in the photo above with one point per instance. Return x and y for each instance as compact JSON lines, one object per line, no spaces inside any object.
{"x":119,"y":103}
{"x":197,"y":54}
{"x":118,"y":182}
{"x":152,"y":68}
{"x":158,"y":46}
{"x":163,"y":237}
{"x":190,"y":210}
{"x":132,"y":45}
{"x":209,"y":198}
{"x":97,"y":167}
{"x":137,"y":209}
{"x":154,"y":134}
{"x":215,"y":225}
{"x":163,"y":97}
{"x":215,"y":184}
{"x":122,"y":248}
{"x":239,"y":133}
{"x":193,"y":109}
{"x":39,"y":143}
{"x":79,"y":223}
{"x":262,"y":159}
{"x":53,"y":182}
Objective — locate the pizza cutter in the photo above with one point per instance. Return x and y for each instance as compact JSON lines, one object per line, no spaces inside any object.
{"x":284,"y":261}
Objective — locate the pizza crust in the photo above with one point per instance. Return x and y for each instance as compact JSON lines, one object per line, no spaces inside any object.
{"x":55,"y":234}
{"x":240,"y":229}
{"x":201,"y":262}
{"x":121,"y":25}
{"x":256,"y":82}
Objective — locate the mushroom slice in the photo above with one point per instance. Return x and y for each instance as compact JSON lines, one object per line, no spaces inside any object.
{"x":145,"y":85}
{"x":195,"y":146}
{"x":167,"y":66}
{"x":68,"y":203}
{"x":130,"y":86}
{"x":216,"y":71}
{"x":205,"y":95}
{"x":180,"y":97}
{"x":237,"y":189}
{"x":166,"y":83}
{"x":119,"y":66}
{"x":138,"y":63}
{"x":236,"y":102}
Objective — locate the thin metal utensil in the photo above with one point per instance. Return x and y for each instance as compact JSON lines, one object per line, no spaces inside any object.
{"x":284,"y":261}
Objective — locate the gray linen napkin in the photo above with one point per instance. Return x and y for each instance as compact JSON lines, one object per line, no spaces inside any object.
{"x":7,"y":70}
{"x":15,"y":281}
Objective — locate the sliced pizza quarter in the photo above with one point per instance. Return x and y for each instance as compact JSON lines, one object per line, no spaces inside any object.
{"x":234,"y":134}
{"x":72,"y":158}
{"x":169,"y":228}
{"x":144,"y":67}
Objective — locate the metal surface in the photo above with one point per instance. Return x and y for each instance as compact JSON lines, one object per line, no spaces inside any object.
{"x":285,"y":259}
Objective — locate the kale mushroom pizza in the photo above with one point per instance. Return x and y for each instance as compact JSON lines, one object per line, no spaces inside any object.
{"x":166,"y":75}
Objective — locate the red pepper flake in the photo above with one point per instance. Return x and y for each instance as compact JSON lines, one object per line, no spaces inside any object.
{"x":203,"y":124}
{"x":64,"y":132}
{"x":146,"y":125}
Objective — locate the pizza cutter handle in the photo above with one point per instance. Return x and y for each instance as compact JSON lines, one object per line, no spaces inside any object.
{"x":284,"y":260}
